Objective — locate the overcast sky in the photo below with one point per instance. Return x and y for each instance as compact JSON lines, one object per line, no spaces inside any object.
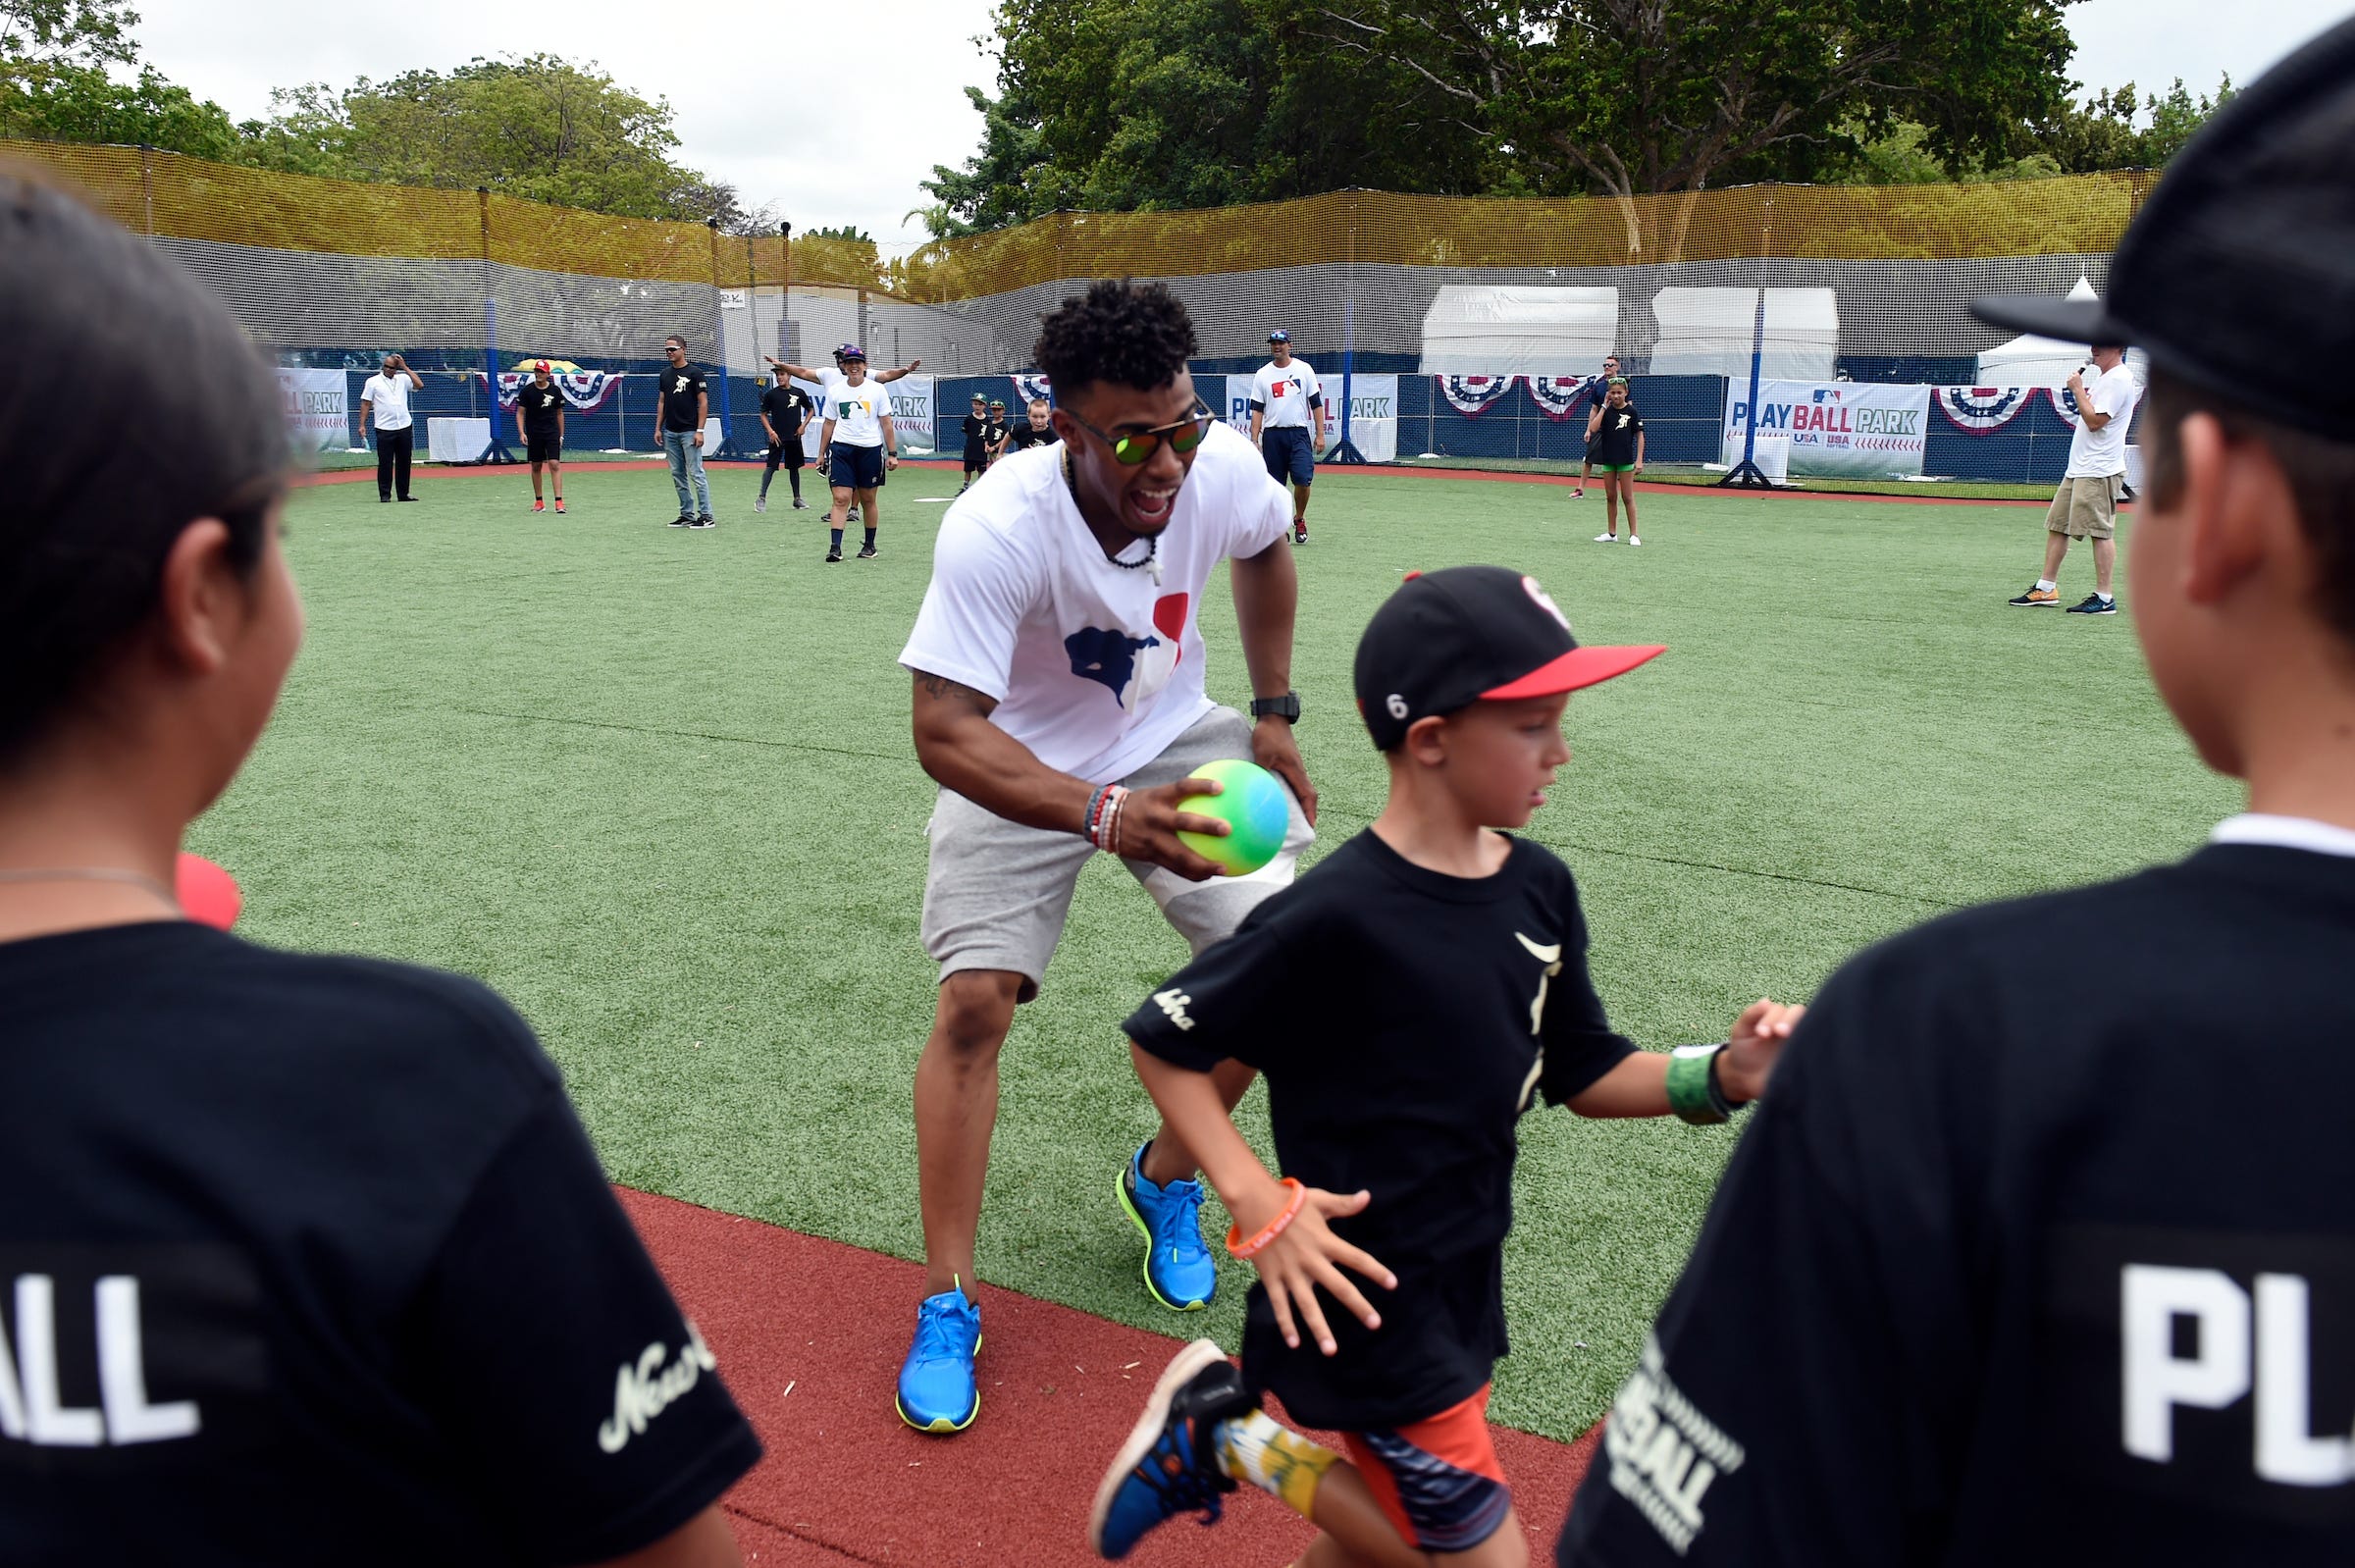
{"x":838,"y":111}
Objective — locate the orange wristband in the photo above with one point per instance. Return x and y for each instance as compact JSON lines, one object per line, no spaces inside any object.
{"x":1273,"y":1228}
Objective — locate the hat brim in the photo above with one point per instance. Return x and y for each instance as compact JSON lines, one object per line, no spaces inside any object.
{"x":1579,"y":667}
{"x":2070,"y":321}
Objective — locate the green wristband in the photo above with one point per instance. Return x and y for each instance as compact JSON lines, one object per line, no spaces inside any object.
{"x":1692,"y":1092}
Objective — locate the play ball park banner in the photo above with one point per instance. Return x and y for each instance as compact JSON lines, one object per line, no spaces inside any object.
{"x":1846,"y":429}
{"x":318,"y":409}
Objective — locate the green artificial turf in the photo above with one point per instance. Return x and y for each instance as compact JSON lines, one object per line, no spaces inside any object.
{"x":656,"y":787}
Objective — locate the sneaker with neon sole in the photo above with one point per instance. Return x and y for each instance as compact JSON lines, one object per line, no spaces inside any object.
{"x":1178,"y":1270}
{"x":1169,"y":1463}
{"x":2037,"y":598}
{"x":937,"y":1389}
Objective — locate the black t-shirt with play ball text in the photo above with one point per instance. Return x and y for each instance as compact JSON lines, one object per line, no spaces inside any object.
{"x":1403,"y":1020}
{"x":2013,"y":1267}
{"x":307,"y":1258}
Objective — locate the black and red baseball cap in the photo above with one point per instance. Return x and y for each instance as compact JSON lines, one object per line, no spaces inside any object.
{"x":1451,"y":638}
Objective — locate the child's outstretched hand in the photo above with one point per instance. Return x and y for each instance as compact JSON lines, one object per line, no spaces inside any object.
{"x":1755,"y":1046}
{"x":1303,"y":1256}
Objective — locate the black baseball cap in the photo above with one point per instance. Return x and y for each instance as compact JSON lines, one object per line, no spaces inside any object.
{"x":1448,"y":639}
{"x":2243,"y":254}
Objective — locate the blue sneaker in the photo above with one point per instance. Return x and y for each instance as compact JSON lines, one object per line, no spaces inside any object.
{"x":1169,"y":1464}
{"x":937,"y":1390}
{"x":1179,"y":1269}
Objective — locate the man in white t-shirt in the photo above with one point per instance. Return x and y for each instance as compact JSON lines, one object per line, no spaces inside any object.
{"x":1060,"y":701}
{"x":1287,"y":401}
{"x":384,"y":405}
{"x":2085,"y":506}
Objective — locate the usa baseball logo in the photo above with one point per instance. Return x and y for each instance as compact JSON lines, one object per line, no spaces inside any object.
{"x":1559,"y":396}
{"x":1473,"y":395}
{"x":1981,"y":409}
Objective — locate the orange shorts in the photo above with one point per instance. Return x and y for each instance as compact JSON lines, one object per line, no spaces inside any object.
{"x":1438,"y":1479}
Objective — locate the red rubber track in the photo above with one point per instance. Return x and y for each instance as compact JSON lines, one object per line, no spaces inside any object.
{"x":809,"y":1334}
{"x":353,"y":476}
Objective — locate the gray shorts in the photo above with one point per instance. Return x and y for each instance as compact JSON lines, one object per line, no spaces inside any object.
{"x":997,"y":892}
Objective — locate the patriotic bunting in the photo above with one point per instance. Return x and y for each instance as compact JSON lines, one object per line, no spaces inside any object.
{"x":1474,"y":396}
{"x":1982,"y":410}
{"x":2064,"y":404}
{"x":1559,"y":396}
{"x":1028,"y":390}
{"x":585,"y":391}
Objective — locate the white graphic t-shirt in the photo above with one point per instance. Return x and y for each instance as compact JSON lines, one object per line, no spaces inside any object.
{"x":1284,"y":393}
{"x":1095,"y":667}
{"x":388,"y":398}
{"x":857,"y":411}
{"x":2098,"y":453}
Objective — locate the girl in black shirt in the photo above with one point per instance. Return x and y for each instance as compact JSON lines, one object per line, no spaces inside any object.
{"x":315,"y":1239}
{"x":1616,"y":445}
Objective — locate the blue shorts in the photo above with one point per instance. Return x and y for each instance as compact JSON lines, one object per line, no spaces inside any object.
{"x":856,"y":467}
{"x":1285,"y":447}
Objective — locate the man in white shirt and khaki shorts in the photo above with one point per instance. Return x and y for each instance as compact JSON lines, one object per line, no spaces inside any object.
{"x":1060,"y":704}
{"x":2085,"y":506}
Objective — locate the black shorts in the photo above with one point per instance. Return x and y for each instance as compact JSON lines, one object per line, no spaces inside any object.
{"x":857,"y":467}
{"x":976,"y":458}
{"x":543,"y":446}
{"x":787,"y":452}
{"x":1286,"y":450}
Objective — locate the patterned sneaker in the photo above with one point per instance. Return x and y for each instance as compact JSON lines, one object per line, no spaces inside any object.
{"x":539,"y":506}
{"x":1179,"y":1270}
{"x":2038,"y":598}
{"x":1169,"y":1464}
{"x":2095,"y":605}
{"x":937,"y":1390}
{"x":760,"y":503}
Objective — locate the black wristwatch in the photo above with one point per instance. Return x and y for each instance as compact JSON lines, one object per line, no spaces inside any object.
{"x":1285,"y":707}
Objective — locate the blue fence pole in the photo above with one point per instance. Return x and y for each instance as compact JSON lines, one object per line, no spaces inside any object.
{"x":1747,"y":472}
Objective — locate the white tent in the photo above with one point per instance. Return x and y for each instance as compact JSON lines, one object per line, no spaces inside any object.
{"x":2032,"y":361}
{"x":1709,"y":332}
{"x":1509,"y":331}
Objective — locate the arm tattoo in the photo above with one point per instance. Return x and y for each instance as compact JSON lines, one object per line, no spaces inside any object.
{"x":941,"y":689}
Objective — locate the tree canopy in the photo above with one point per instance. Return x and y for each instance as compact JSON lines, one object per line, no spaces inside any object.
{"x":1125,"y":105}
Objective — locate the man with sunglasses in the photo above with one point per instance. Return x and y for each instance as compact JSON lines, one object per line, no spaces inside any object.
{"x":1060,"y":701}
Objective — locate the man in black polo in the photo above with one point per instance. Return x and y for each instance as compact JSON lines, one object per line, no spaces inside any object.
{"x":679,"y":431}
{"x":785,"y":411}
{"x":2025,"y":1267}
{"x":540,"y":409}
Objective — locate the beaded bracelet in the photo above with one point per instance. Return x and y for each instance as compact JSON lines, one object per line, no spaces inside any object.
{"x":1108,"y":833}
{"x":1094,"y":819}
{"x":1273,"y":1228}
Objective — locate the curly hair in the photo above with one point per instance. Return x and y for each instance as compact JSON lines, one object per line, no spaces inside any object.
{"x":1133,"y":335}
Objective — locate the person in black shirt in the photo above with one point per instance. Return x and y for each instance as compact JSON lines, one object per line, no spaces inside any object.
{"x":1596,"y":388}
{"x":1406,"y":1001}
{"x":2020,"y":1268}
{"x":994,"y":432}
{"x":785,"y":411}
{"x":1616,"y":445}
{"x":305,"y":1257}
{"x":1033,"y":431}
{"x":540,"y":406}
{"x":685,"y":408}
{"x":976,"y":442}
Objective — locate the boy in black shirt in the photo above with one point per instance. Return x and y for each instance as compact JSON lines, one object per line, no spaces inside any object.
{"x":1033,"y":431}
{"x":785,"y":411}
{"x":2016,"y":1268}
{"x":995,"y":430}
{"x":976,"y":442}
{"x":1406,"y":1001}
{"x":1615,"y":448}
{"x":306,"y":1258}
{"x":539,"y":405}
